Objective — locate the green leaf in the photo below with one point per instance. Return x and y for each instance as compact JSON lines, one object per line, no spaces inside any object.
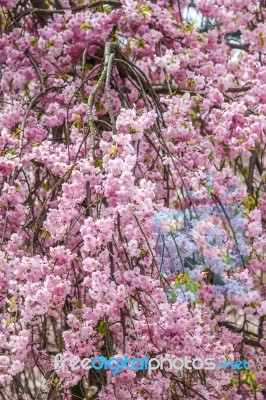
{"x":25,"y":91}
{"x":173,"y":295}
{"x":249,"y":202}
{"x":45,"y":233}
{"x":48,"y":45}
{"x":227,"y":258}
{"x":197,"y":300}
{"x":144,"y":10}
{"x":79,"y":304}
{"x":211,"y":155}
{"x":193,"y":286}
{"x":190,"y":28}
{"x":143,"y":253}
{"x":47,"y":185}
{"x":250,"y":379}
{"x":88,"y":67}
{"x":262,"y":40}
{"x":77,"y":124}
{"x":209,"y":190}
{"x":12,"y":303}
{"x":102,"y":328}
{"x":115,"y":38}
{"x":133,"y":130}
{"x":64,"y":76}
{"x":190,"y":83}
{"x":141,"y":44}
{"x":253,"y":304}
{"x":34,"y":42}
{"x":181,"y":279}
{"x":11,"y":151}
{"x":246,"y":259}
{"x":174,"y":386}
{"x":128,"y":51}
{"x":200,"y":39}
{"x":92,"y":392}
{"x":84,"y":25}
{"x":98,"y":163}
{"x":99,"y":107}
{"x":245,"y":172}
{"x":58,"y":387}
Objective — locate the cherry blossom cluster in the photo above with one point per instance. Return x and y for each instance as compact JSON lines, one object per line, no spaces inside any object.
{"x":132,"y":196}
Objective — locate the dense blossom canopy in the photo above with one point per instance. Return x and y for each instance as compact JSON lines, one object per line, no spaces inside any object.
{"x":132,"y":195}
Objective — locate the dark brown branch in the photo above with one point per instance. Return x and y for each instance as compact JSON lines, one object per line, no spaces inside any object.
{"x":161,"y":89}
{"x":44,"y":11}
{"x":238,"y":90}
{"x":247,"y":340}
{"x":252,"y":164}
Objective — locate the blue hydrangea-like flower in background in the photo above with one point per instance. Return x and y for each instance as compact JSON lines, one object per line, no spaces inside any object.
{"x":179,"y":246}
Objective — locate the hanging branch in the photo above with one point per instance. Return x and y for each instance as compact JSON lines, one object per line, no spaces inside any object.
{"x":109,"y":47}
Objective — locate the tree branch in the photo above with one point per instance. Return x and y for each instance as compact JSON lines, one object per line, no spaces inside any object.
{"x":45,"y":11}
